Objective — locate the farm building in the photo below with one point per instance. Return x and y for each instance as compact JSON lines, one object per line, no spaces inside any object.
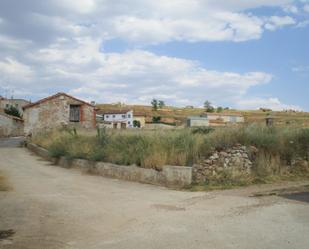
{"x":224,"y":117}
{"x":196,"y":121}
{"x":117,"y":119}
{"x":139,"y":119}
{"x":17,"y":103}
{"x":11,"y":126}
{"x":58,"y":110}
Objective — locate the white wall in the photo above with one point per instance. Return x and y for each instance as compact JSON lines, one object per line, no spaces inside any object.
{"x":125,"y":118}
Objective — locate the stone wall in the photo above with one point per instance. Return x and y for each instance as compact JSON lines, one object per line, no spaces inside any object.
{"x":171,"y":176}
{"x":237,"y":160}
{"x":10,"y":126}
{"x":55,"y":112}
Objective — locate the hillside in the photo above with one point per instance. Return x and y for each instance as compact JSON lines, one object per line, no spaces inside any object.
{"x":178,"y":115}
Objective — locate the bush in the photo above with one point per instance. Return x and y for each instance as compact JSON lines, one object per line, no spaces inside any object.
{"x":13,"y":111}
{"x":202,"y":130}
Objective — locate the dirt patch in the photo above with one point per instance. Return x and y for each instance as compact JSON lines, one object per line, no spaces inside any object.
{"x":4,"y":185}
{"x":283,"y":191}
{"x":6,"y":234}
{"x":169,"y":207}
{"x":302,"y":196}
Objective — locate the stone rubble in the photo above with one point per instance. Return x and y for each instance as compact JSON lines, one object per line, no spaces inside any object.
{"x":236,"y":159}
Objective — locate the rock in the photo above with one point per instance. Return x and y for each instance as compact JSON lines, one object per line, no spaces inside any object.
{"x":223,"y":154}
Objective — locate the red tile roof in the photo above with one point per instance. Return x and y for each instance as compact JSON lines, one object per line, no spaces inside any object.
{"x":55,"y":96}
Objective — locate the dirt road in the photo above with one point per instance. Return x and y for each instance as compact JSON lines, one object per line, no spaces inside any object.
{"x":51,"y":207}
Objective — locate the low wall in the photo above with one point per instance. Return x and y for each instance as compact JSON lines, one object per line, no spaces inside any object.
{"x":170,"y":176}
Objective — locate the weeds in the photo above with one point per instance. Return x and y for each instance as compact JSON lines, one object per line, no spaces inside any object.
{"x":276,"y":147}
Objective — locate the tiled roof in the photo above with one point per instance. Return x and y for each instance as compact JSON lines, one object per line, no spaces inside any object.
{"x":55,"y":96}
{"x":122,"y":111}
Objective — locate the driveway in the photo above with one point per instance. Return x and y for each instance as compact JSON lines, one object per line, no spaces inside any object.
{"x":52,"y":207}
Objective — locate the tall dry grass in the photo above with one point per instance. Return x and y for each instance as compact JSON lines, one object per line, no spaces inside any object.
{"x":153,"y":149}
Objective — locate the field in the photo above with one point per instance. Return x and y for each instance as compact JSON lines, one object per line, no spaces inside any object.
{"x":178,"y":116}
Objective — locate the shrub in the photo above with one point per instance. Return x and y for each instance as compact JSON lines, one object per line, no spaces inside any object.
{"x":202,"y":130}
{"x":57,"y":148}
{"x":13,"y":111}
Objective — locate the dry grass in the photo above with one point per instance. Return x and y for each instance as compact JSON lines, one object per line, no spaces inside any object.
{"x":277,"y":148}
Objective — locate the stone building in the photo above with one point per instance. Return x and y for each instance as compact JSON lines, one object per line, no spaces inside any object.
{"x":11,"y":126}
{"x":58,"y":110}
{"x":17,"y":103}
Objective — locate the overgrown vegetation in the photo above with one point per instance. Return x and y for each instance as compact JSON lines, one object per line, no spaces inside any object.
{"x":13,"y":111}
{"x":277,"y":148}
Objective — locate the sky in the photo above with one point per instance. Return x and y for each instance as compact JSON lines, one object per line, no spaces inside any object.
{"x":235,"y":53}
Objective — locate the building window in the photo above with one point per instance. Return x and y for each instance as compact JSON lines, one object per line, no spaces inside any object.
{"x":129,"y":122}
{"x":7,"y":105}
{"x":123,"y":116}
{"x":129,"y":115}
{"x":107,"y":116}
{"x":74,"y":113}
{"x":114,"y":116}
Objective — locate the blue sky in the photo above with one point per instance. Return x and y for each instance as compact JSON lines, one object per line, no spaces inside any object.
{"x":241,"y":54}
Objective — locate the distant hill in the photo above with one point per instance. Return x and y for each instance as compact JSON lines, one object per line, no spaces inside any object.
{"x":177,"y":115}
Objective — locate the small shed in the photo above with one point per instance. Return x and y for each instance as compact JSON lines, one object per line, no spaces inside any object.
{"x":269,"y":120}
{"x":56,"y":111}
{"x":197,"y":121}
{"x":225,"y":117}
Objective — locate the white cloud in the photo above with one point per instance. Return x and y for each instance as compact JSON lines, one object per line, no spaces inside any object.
{"x":10,"y":69}
{"x":306,"y":7}
{"x":271,"y":103}
{"x":300,"y":69}
{"x":61,"y":43}
{"x":276,"y":22}
{"x":291,"y":9}
{"x":141,"y":21}
{"x":134,"y":76}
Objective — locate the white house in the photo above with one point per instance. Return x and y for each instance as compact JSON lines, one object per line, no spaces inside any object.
{"x":118,"y":119}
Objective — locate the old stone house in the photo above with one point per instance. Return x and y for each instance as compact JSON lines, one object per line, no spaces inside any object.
{"x":58,"y":110}
{"x":11,"y":126}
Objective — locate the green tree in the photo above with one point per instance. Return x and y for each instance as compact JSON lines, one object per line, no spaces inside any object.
{"x":136,"y":123}
{"x":154,"y":104}
{"x":156,"y":119}
{"x":208,"y":106}
{"x":13,"y":111}
{"x":219,"y":109}
{"x":161,"y":104}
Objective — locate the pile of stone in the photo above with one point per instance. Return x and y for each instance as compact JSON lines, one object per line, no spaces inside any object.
{"x":236,"y":159}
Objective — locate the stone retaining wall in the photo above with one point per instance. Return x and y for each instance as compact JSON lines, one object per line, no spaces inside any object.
{"x":171,"y":176}
{"x":236,"y":161}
